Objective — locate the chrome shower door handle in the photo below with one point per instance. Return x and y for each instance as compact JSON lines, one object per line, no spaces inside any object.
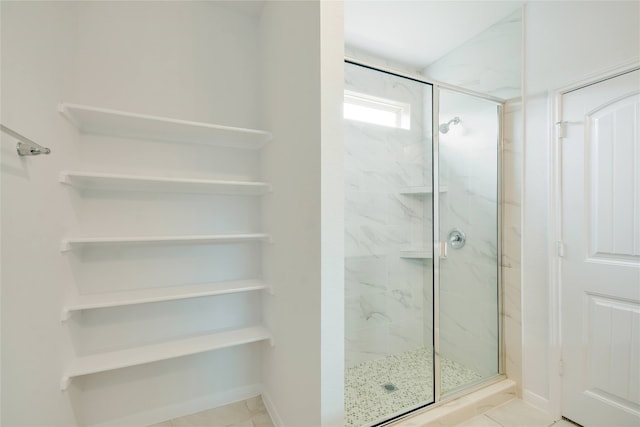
{"x":443,"y":249}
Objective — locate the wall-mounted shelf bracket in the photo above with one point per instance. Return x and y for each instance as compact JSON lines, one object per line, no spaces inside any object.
{"x":66,"y":314}
{"x":65,"y":383}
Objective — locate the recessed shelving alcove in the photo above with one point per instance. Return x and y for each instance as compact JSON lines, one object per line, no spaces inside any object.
{"x":134,"y":126}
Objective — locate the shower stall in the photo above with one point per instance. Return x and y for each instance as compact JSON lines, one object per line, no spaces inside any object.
{"x":422,"y":242}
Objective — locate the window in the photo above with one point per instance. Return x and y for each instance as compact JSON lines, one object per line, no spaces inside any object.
{"x":379,"y":111}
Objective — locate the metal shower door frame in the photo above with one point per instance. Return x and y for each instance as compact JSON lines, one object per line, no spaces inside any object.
{"x":438,"y":243}
{"x":437,"y":86}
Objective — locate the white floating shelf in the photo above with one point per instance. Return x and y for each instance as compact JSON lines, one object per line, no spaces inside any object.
{"x":421,"y":190}
{"x":104,"y":121}
{"x":116,"y":182}
{"x":416,"y":253}
{"x":143,"y":296}
{"x":70,"y":243}
{"x":162,"y":351}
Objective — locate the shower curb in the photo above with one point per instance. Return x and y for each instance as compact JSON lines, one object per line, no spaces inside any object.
{"x":464,"y":408}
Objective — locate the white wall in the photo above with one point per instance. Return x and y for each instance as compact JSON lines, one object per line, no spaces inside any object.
{"x":191,"y":60}
{"x":564,"y":42}
{"x":38,"y":43}
{"x":302,"y":92}
{"x":196,"y":60}
{"x":332,"y":211}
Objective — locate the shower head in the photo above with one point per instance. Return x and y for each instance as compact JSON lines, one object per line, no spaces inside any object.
{"x":444,"y":127}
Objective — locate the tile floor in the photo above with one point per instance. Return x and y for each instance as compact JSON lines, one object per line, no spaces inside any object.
{"x":246,"y":413}
{"x":252,"y":413}
{"x":515,"y":413}
{"x":411,"y":373}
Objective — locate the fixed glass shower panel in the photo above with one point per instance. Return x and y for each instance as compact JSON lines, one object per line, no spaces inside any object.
{"x":388,"y":234}
{"x":468,"y":167}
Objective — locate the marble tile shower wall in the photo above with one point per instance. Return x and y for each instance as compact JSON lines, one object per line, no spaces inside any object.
{"x":512,"y":237}
{"x":385,"y":298}
{"x":488,"y":63}
{"x":469,"y":275}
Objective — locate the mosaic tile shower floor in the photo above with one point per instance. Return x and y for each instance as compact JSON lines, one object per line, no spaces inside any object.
{"x":367,"y":400}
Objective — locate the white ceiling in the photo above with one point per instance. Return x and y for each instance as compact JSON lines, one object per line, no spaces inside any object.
{"x":418,"y":32}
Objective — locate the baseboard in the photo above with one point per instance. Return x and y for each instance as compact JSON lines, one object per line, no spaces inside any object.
{"x":271,"y":409}
{"x":186,"y":408}
{"x":536,"y":400}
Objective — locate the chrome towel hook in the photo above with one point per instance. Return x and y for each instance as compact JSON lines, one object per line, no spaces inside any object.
{"x":25,"y":146}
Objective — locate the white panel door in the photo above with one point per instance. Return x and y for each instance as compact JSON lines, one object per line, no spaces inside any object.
{"x":601,"y":266}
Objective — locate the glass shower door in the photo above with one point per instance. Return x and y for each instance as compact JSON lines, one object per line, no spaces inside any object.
{"x":388,"y":238}
{"x":468,"y":225}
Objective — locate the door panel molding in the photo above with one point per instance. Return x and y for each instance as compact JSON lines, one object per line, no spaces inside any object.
{"x":613,"y":232}
{"x":611,"y":321}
